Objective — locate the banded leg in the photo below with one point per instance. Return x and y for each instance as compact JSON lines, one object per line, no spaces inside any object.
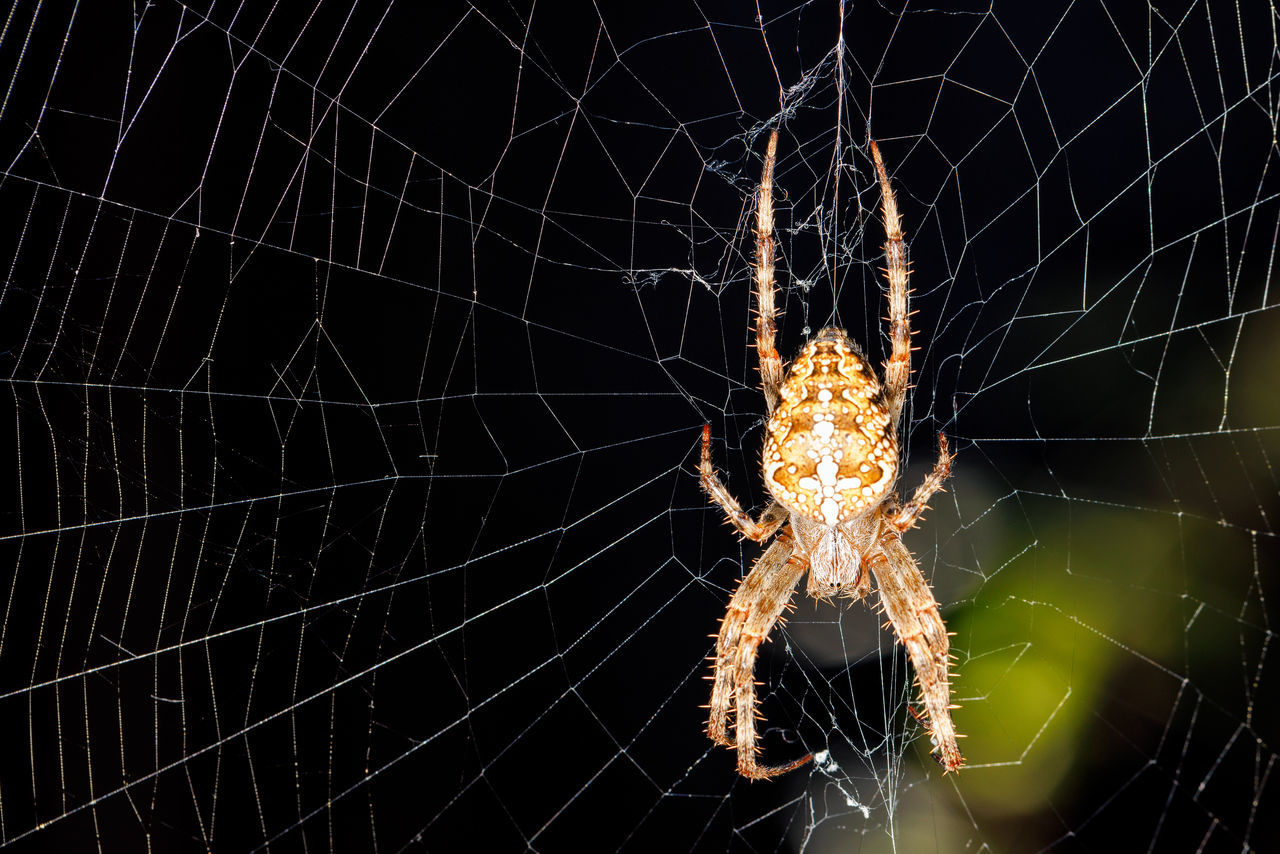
{"x":772,"y":517}
{"x":766,"y":312}
{"x":910,"y":605}
{"x":897,"y":371}
{"x":905,"y":518}
{"x":753,"y":611}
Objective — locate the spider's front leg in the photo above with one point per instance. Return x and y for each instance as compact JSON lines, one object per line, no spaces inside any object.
{"x":753,"y":611}
{"x":911,"y":608}
{"x":758,"y":531}
{"x":906,"y":516}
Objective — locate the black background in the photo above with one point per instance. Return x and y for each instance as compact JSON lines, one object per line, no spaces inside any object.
{"x":357,"y":362}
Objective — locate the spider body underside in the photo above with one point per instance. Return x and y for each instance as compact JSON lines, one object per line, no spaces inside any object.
{"x":830,"y":464}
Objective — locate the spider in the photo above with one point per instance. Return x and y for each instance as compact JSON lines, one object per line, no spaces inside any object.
{"x":830,"y":462}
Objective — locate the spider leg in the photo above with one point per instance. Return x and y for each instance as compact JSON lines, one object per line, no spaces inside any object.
{"x":772,"y":517}
{"x":906,"y":517}
{"x":740,"y":608}
{"x":897,"y":371}
{"x":766,"y":315}
{"x":913,"y":611}
{"x":753,"y":611}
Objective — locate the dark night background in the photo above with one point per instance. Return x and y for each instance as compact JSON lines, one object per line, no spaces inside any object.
{"x":357,"y":358}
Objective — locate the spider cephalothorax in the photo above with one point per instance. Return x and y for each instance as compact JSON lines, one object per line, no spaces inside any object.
{"x":830,"y":463}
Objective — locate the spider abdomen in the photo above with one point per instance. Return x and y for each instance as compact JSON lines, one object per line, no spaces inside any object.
{"x":830,"y":452}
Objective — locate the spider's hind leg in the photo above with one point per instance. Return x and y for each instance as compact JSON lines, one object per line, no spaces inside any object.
{"x":766,"y":289}
{"x":897,"y":371}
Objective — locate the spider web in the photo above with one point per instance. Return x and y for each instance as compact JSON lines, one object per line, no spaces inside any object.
{"x":357,"y":361}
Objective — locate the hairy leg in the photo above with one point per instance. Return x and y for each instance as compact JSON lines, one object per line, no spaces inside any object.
{"x":897,"y":371}
{"x":753,"y":611}
{"x":906,"y":516}
{"x":770,"y":567}
{"x":910,"y":606}
{"x":772,"y":517}
{"x":766,"y":313}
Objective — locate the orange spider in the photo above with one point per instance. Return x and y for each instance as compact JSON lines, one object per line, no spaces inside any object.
{"x":830,"y":463}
